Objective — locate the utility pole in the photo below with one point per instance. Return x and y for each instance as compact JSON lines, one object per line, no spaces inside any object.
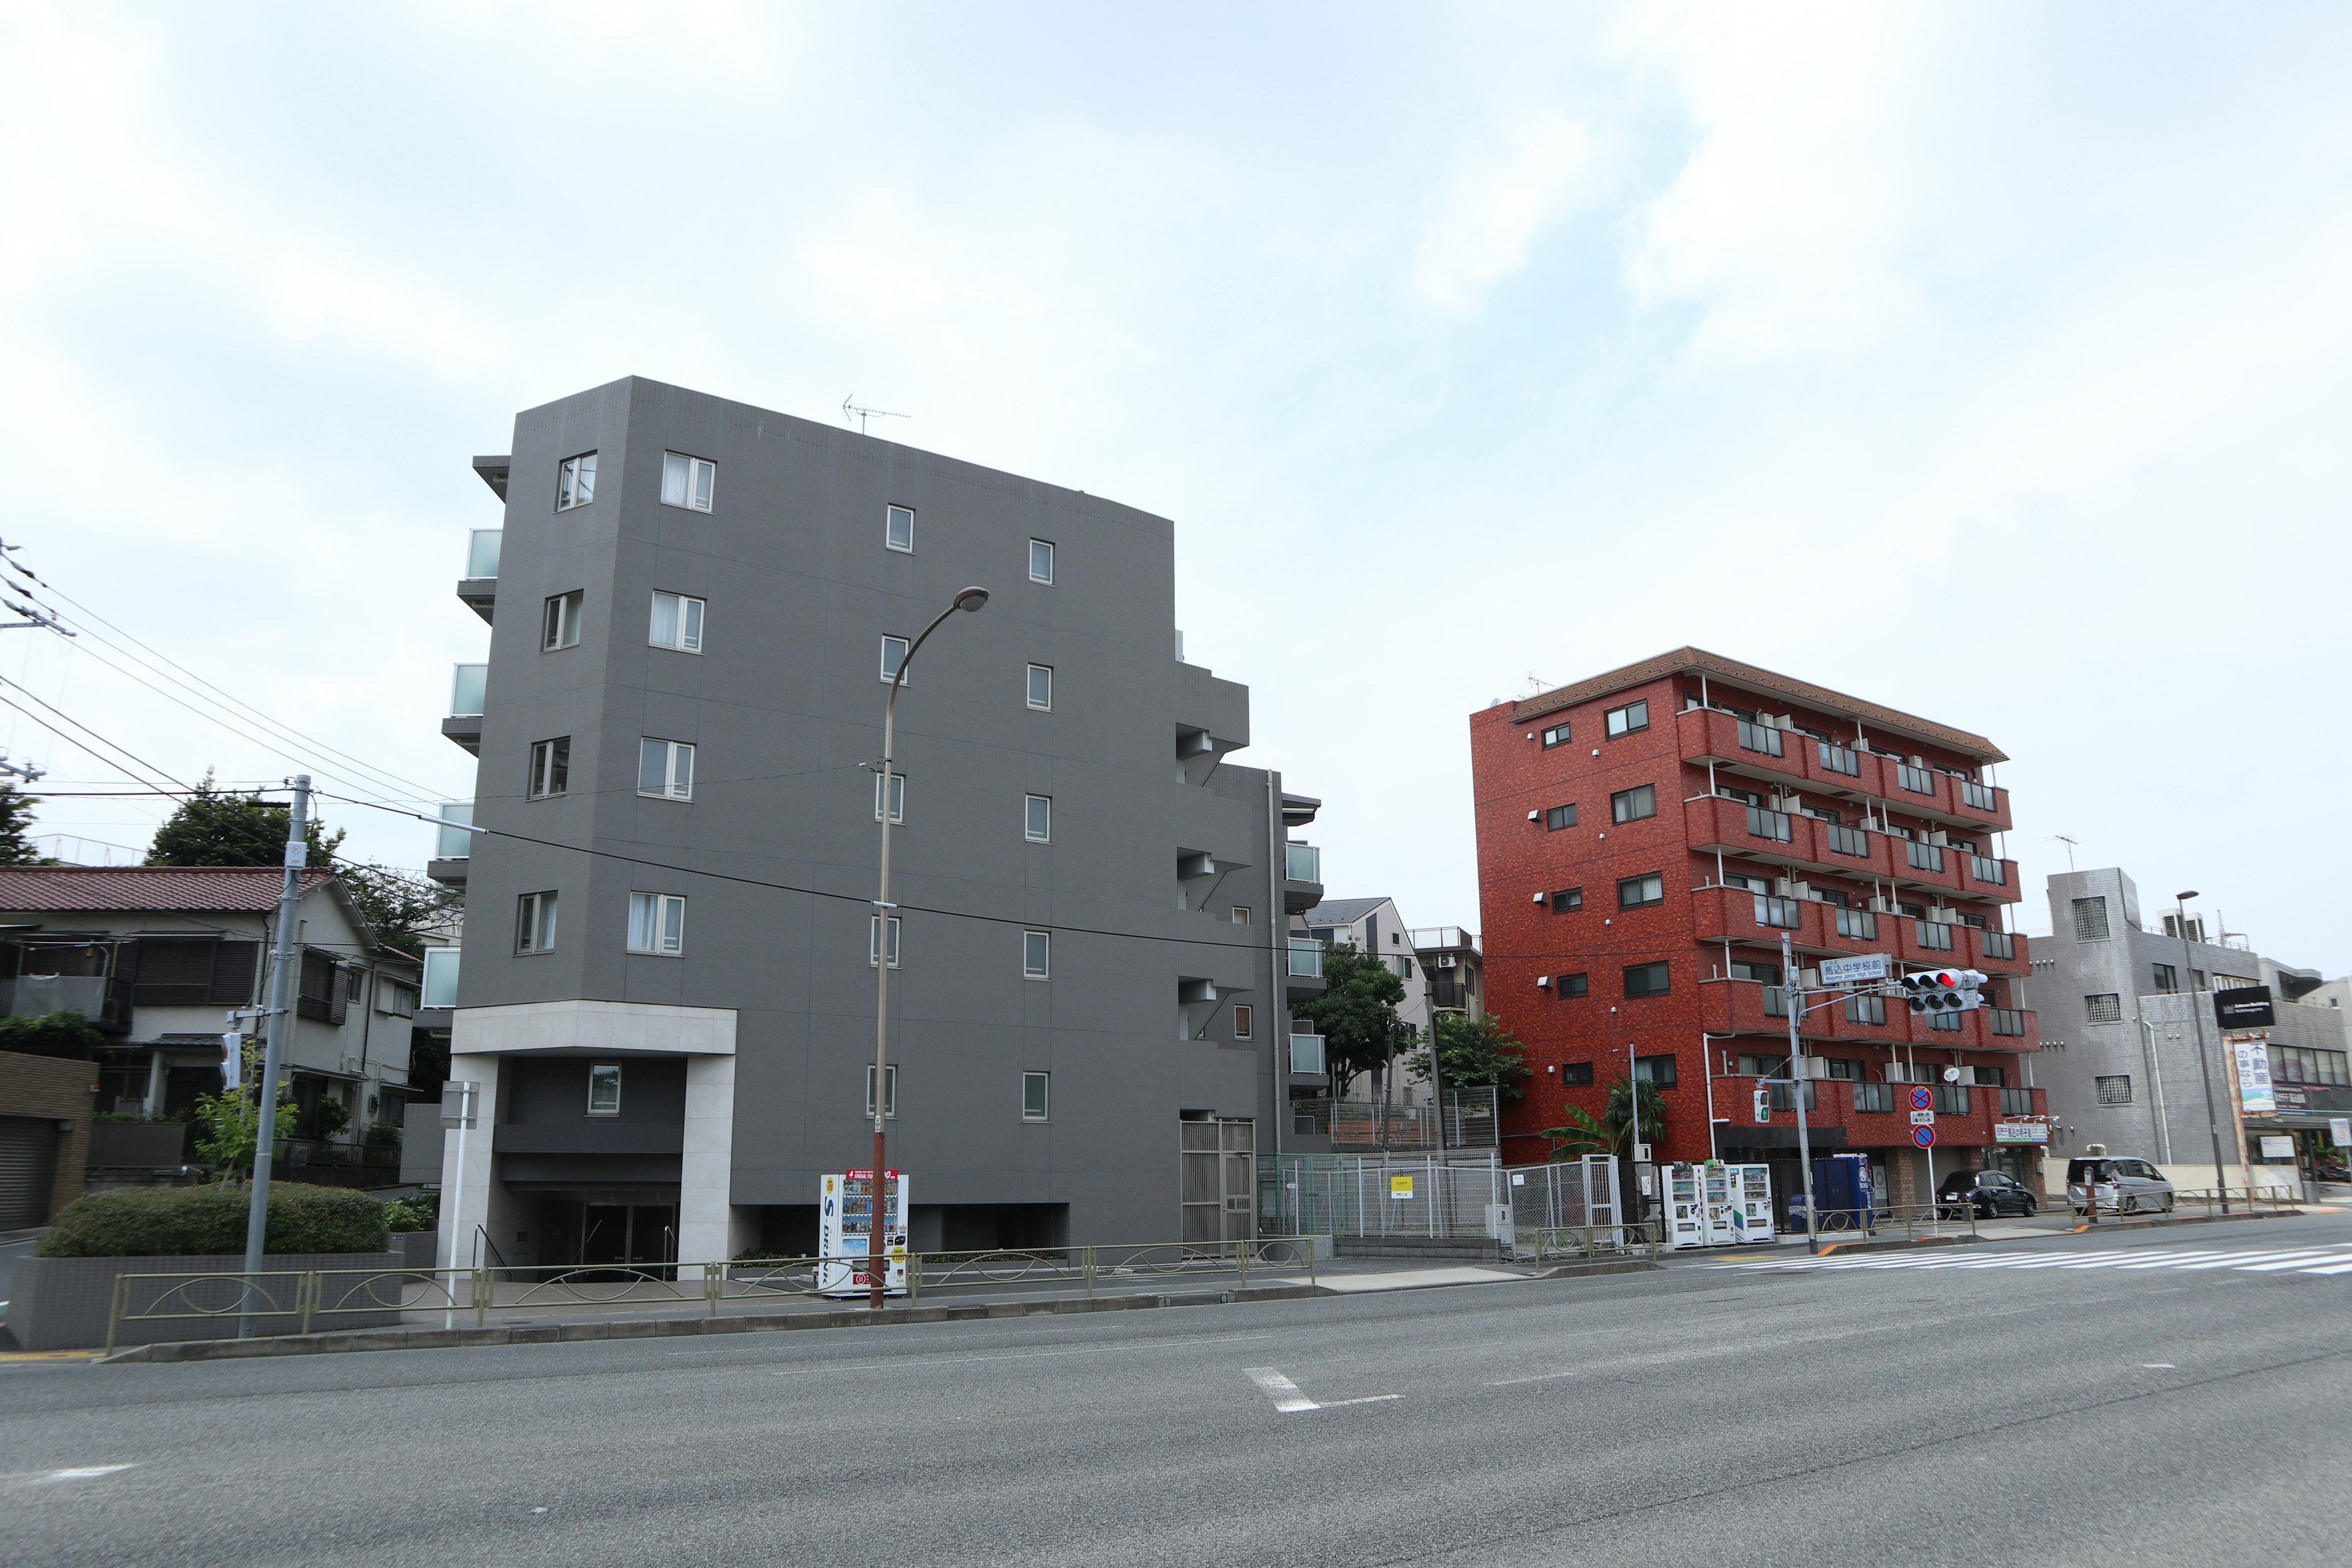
{"x":1795,"y":998}
{"x":284,"y":957}
{"x":2204,"y":1067}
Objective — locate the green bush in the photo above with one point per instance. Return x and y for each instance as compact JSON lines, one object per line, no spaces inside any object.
{"x":411,"y":1214}
{"x":209,"y":1222}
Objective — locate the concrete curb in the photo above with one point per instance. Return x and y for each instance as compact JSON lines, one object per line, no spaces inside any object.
{"x":2178,"y":1219}
{"x":1612,"y":1265}
{"x":679,"y":1327}
{"x":1903,"y":1246}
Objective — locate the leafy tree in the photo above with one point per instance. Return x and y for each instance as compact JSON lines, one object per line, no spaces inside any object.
{"x":51,"y":1035}
{"x":1474,"y":1053}
{"x":223,"y":827}
{"x":1606,"y":1133}
{"x":1355,"y":1014}
{"x":16,"y":819}
{"x":231,"y":1127}
{"x":397,"y":906}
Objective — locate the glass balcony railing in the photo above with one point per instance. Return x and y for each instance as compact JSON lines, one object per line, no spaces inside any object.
{"x":2008,"y":1021}
{"x":440,"y":977}
{"x":1840,"y":760}
{"x":1306,"y":958}
{"x":2017,"y":1103}
{"x":1763,"y":823}
{"x":1998,"y":943}
{"x":467,"y":688}
{"x":1984,"y":868}
{"x":482,"y":552}
{"x":1861,"y":923}
{"x":1781,"y":912}
{"x":1306,"y":1053}
{"x":1935,"y":934}
{"x":1924,"y":856}
{"x":1852,"y":841}
{"x":1984,"y":797}
{"x":455,"y":844}
{"x":1919,"y":781}
{"x":1302,"y":862}
{"x":1759,"y":738}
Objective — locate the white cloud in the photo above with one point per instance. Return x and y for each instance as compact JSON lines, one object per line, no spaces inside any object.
{"x":1532,"y":168}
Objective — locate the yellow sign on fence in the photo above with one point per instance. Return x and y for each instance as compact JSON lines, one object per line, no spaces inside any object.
{"x":1400,"y":1187}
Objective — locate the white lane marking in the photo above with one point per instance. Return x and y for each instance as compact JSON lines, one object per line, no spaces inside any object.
{"x":2338,"y":1255}
{"x":1285,"y":1394}
{"x":916,"y":1362}
{"x":2240,"y":1260}
{"x":85,"y":1473}
{"x":1539,"y":1377}
{"x":2158,"y":1366}
{"x":1368,"y":1399}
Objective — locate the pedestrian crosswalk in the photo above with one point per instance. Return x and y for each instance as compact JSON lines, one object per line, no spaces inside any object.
{"x":2324,"y":1260}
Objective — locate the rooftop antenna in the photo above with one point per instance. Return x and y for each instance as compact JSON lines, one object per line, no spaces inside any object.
{"x":1536,"y":683}
{"x":848,"y":408}
{"x":2070,"y":844}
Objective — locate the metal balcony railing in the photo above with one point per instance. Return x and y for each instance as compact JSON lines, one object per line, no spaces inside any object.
{"x":482,"y":551}
{"x":1302,"y":862}
{"x":1306,"y":1053}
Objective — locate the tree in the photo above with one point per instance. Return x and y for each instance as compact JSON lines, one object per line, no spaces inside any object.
{"x":52,"y":1035}
{"x":231,"y":1129}
{"x":1586,"y":1133}
{"x":397,"y":906}
{"x":1474,"y":1053}
{"x":223,"y":827}
{"x":1355,"y":1014}
{"x":15,"y":817}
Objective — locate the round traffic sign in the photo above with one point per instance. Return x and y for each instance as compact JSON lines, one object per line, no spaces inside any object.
{"x":1921,"y":1099}
{"x":1924,"y":1136}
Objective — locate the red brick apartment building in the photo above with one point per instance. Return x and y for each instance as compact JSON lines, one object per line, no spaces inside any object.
{"x":1644,"y":839}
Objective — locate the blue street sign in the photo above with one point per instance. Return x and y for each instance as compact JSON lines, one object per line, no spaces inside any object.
{"x":1920,"y":1099}
{"x":1924,"y":1136}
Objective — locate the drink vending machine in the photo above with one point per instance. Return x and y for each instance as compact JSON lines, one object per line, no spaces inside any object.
{"x":845,"y":1230}
{"x":1718,"y":1204}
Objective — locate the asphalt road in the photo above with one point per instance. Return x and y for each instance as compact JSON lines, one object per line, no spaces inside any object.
{"x":2145,"y":1400}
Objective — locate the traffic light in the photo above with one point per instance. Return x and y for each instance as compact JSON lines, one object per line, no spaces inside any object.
{"x":1971,"y":991}
{"x":1933,"y":990}
{"x":232,"y":1062}
{"x":1763,"y":1106}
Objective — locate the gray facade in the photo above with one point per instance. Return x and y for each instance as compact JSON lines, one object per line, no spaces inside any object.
{"x":2120,"y":1045}
{"x":754,"y":1039}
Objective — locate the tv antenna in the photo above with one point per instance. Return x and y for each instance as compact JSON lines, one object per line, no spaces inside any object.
{"x":1537,"y":684}
{"x":2070,"y":844}
{"x":848,"y":408}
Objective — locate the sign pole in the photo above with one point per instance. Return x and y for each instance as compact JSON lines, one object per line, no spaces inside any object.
{"x":1795,"y":998}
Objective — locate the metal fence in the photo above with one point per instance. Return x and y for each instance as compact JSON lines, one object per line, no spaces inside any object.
{"x":1592,"y":1243}
{"x":1370,"y":1124}
{"x":1455,"y":1194}
{"x":1565,"y":1196}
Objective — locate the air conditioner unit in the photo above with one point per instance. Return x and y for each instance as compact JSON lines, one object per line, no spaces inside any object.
{"x":1542,"y":981}
{"x":1445,"y":962}
{"x":1784,"y":722}
{"x":1881,"y":907}
{"x":1808,"y":979}
{"x":1895,"y":1072}
{"x":1817,"y":1066}
{"x":1940,"y":838}
{"x":1917,"y":762}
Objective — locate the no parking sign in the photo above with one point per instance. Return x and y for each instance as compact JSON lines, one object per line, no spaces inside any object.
{"x":1924,"y":1136}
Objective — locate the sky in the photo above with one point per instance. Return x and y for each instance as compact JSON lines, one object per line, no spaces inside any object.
{"x":1986,"y":361}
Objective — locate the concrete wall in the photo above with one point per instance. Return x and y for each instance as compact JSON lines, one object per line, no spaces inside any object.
{"x":63,"y":1303}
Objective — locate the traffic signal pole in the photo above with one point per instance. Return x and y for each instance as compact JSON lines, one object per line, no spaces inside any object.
{"x":1795,"y":997}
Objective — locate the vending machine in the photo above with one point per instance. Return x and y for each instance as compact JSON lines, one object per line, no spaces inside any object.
{"x":1686,"y":1206}
{"x":846,"y":1231}
{"x":1751,"y":1200}
{"x":1722,"y":1212}
{"x":1843,"y":1192}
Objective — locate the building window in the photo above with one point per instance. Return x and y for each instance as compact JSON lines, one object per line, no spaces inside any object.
{"x":1041,"y":687}
{"x":1555,"y":736}
{"x":1645,"y":979}
{"x":1633,"y":804}
{"x":1759,"y":738}
{"x":1034,"y":1089}
{"x":1241,"y":1021}
{"x":1635,"y":891}
{"x":535,"y":923}
{"x":657,"y":923}
{"x":2114,"y":1088}
{"x":897,"y":797}
{"x":1932,"y":933}
{"x":1659,"y":1070}
{"x":395,"y":999}
{"x":559,"y":622}
{"x":889,"y":1090}
{"x":2301,"y":1064}
{"x":1625,"y":721}
{"x":2166,"y":977}
{"x":1036,"y":955}
{"x":666,"y":769}
{"x":575,"y":481}
{"x":2105,"y":1008}
{"x":1865,"y":1009}
{"x":686,"y":481}
{"x":1565,"y":899}
{"x":678,"y":623}
{"x":604,"y":1089}
{"x":1241,"y":914}
{"x":1844,"y":1068}
{"x":1573,"y":985}
{"x":1041,"y":561}
{"x":1873,"y":1097}
{"x":1762,"y":973}
{"x":898,"y":527}
{"x":1037,"y":819}
{"x":1861,"y":923}
{"x":1559,"y":817}
{"x":2090,"y":919}
{"x":550,"y":767}
{"x":1576,"y":1075}
{"x":873,"y":925}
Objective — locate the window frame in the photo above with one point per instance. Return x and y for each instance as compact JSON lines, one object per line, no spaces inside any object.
{"x":679,"y":618}
{"x":1036,"y":955}
{"x":1037,"y":1106}
{"x":559,"y":615}
{"x":700,"y":486}
{"x":2102,"y":1083}
{"x":1659,"y":877}
{"x":1567,"y":987}
{"x":1654,"y":964}
{"x":1617,"y":723}
{"x":548,"y":774}
{"x":891,"y":514}
{"x":2113,"y":1011}
{"x":535,"y":923}
{"x":1029,"y":815}
{"x":1242,"y":914}
{"x":1243,"y":1020}
{"x":1047,"y":546}
{"x":1621,"y":803}
{"x":671,"y":789}
{"x":667,"y":912}
{"x":1565,"y":901}
{"x":599,"y":1073}
{"x":889,"y":1091}
{"x":1576,"y":1075}
{"x":1670,"y":1080}
{"x":1557,"y":735}
{"x":1558,"y":816}
{"x":1030,"y":695}
{"x":897,"y":799}
{"x":569,"y":493}
{"x":873,"y":938}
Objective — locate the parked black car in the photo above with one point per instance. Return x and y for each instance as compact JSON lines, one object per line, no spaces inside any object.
{"x":1988,"y":1193}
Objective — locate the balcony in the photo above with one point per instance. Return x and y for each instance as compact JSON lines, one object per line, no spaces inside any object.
{"x":1985,"y":804}
{"x":468,"y":685}
{"x":1705,"y":733}
{"x":1984,"y":871}
{"x":1302,"y":877}
{"x":454,"y":847}
{"x":103,"y":1003}
{"x":478,"y":590}
{"x":1307,"y":1054}
{"x":1303,"y":968}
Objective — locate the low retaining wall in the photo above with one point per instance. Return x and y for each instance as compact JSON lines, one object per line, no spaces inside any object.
{"x":63,"y":1303}
{"x":1468,"y":1248}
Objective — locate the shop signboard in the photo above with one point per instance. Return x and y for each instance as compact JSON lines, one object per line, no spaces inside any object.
{"x":2246,"y":1007}
{"x":2277,"y":1147}
{"x":2020,"y":1133}
{"x":2254,"y":1096}
{"x":2339,"y":1132}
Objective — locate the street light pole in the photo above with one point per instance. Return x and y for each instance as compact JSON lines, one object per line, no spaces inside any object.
{"x":878,"y":1186}
{"x":1795,"y":998}
{"x":276,"y":1026}
{"x":2196,"y":1023}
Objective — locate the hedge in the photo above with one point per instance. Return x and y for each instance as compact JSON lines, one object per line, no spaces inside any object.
{"x":209,"y":1222}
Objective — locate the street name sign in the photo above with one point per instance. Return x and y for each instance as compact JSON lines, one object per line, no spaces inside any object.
{"x":1859,"y":970}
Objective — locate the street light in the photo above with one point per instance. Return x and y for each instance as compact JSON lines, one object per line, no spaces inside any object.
{"x":2204,"y":1067}
{"x":878,"y":1209}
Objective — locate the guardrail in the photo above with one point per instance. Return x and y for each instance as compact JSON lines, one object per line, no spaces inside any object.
{"x":2215,"y":1202}
{"x":1592,"y":1243}
{"x":1913,"y":1220}
{"x":321,"y":1298}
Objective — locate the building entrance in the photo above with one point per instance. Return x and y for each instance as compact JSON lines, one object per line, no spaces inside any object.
{"x":1220,"y":1179}
{"x":618,"y":1236}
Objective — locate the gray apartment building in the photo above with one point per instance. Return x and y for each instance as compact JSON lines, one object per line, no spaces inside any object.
{"x":667,"y":976}
{"x":2120,"y":1045}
